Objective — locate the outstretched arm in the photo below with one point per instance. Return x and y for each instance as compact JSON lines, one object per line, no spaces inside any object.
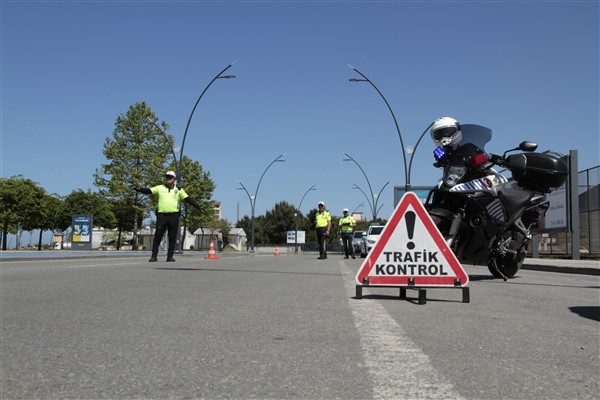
{"x":142,"y":190}
{"x":193,"y":202}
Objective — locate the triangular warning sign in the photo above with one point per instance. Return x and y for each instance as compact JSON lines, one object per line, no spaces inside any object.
{"x":411,"y":246}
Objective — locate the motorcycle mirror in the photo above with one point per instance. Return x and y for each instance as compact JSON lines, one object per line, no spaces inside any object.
{"x":523,"y":146}
{"x":528,"y":146}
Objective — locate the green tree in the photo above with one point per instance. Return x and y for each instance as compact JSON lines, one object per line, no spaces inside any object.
{"x":137,"y":154}
{"x":48,"y":216}
{"x":277,"y":222}
{"x":80,"y":202}
{"x":125,"y":217}
{"x":21,"y":204}
{"x":199,"y":186}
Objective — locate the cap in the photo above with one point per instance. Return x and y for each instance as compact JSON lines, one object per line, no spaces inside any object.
{"x":321,"y":202}
{"x":345,"y":210}
{"x":171,"y":173}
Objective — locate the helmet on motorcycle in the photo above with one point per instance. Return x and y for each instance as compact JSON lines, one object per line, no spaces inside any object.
{"x":446,"y":131}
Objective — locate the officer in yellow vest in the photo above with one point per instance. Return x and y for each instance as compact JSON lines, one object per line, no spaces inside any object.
{"x":323,"y":225}
{"x":347,"y":223}
{"x":167,"y":216}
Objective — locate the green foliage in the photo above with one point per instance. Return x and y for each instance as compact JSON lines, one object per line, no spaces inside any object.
{"x":21,"y":206}
{"x":199,"y":186}
{"x":80,"y":202}
{"x":277,"y":222}
{"x":272,"y":227}
{"x":137,"y":153}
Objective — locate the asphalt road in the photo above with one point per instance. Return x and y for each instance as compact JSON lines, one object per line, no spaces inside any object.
{"x":289,"y":328}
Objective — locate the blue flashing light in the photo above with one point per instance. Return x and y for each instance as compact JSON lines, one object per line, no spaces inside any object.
{"x":438,"y":153}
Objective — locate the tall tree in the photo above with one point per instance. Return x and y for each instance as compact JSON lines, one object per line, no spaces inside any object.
{"x":277,"y":222}
{"x":137,"y":153}
{"x":20,"y":204}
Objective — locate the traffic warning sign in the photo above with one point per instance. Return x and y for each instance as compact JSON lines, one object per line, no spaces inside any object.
{"x":411,"y":247}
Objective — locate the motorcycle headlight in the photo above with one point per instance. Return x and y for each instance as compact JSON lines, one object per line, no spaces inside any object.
{"x":454,"y":174}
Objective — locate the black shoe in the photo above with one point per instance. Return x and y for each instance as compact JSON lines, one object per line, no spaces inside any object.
{"x":345,"y":258}
{"x":353,"y":257}
{"x":152,"y":259}
{"x":170,"y":259}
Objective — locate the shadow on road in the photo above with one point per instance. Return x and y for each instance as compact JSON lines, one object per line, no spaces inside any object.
{"x":589,"y":312}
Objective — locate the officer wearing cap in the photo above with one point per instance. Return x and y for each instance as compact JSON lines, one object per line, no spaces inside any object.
{"x":347,"y":223}
{"x":323,"y":225}
{"x":169,"y":208}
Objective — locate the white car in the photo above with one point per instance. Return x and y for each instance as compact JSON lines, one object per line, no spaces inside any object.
{"x":368,"y":241}
{"x":356,"y":239}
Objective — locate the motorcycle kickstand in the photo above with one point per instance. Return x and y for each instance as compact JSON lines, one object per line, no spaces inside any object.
{"x":498,"y":270}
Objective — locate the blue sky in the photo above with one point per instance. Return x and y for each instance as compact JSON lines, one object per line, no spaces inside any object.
{"x":527,"y":69}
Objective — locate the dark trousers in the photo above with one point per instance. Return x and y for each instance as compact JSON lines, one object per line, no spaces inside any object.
{"x":166,"y":222}
{"x":321,"y":237}
{"x":348,"y":246}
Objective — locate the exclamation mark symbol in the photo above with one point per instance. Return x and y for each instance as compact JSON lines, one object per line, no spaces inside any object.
{"x":409,"y":217}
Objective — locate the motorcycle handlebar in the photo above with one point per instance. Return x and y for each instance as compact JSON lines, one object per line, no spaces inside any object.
{"x":498,"y":160}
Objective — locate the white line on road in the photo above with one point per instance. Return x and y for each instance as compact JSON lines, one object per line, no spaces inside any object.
{"x":398,"y":368}
{"x":100,"y":265}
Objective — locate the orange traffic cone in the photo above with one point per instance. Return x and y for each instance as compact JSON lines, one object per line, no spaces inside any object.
{"x":211,"y":252}
{"x":276,"y":251}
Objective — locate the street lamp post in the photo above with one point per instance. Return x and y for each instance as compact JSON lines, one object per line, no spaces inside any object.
{"x":374,"y":197}
{"x":357,"y":207}
{"x":296,"y":219}
{"x":253,"y":198}
{"x":408,"y":149}
{"x":220,"y":75}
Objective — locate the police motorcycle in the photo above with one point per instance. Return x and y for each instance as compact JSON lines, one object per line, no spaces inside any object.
{"x":486,"y":218}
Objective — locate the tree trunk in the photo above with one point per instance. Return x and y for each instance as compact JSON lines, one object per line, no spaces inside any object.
{"x":4,"y":234}
{"x":119,"y":239}
{"x":40,"y":242}
{"x":134,"y":245}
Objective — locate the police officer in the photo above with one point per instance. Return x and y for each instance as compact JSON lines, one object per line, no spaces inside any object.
{"x":323,"y":225}
{"x":347,"y":223}
{"x":167,"y":216}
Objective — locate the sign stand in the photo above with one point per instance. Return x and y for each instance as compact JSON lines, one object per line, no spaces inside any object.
{"x":411,"y":253}
{"x":422,"y":299}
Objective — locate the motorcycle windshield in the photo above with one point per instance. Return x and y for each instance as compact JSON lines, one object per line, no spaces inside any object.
{"x":475,"y":134}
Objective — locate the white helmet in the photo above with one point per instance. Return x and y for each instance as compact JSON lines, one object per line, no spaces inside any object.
{"x":446,"y":131}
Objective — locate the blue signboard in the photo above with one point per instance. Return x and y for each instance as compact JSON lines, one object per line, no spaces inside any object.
{"x":82,"y":232}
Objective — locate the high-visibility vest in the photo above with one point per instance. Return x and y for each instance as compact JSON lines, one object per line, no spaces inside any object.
{"x":168,"y":198}
{"x":322,"y":219}
{"x":345,"y":220}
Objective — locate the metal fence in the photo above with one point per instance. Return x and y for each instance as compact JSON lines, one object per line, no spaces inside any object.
{"x":589,"y":220}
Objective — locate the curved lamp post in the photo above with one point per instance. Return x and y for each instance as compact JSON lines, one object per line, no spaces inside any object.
{"x":358,"y":206}
{"x":408,"y":149}
{"x":174,"y":153}
{"x":296,"y":219}
{"x":253,"y":198}
{"x":374,"y":197}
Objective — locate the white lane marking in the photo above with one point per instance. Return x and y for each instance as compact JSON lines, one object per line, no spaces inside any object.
{"x":99,"y":265}
{"x":396,"y":365}
{"x":50,"y":260}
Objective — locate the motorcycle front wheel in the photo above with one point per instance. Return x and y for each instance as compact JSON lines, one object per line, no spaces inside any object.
{"x":509,"y":266}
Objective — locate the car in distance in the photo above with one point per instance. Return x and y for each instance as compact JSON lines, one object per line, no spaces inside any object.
{"x":368,"y":241}
{"x":356,"y":238}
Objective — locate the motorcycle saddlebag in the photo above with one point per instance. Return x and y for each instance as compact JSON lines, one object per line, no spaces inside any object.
{"x":538,"y":171}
